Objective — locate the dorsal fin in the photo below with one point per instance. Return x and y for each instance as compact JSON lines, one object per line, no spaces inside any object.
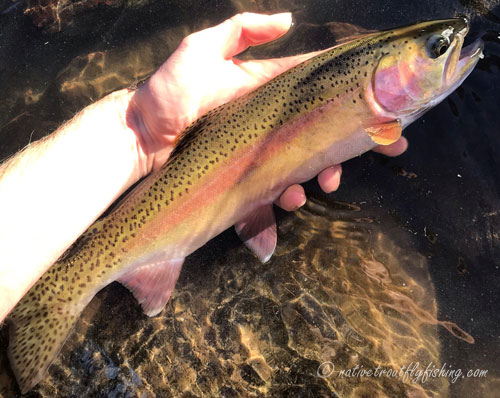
{"x":183,"y":140}
{"x":190,"y":133}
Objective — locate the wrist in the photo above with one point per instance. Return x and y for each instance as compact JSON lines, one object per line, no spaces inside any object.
{"x":74,"y":174}
{"x":155,"y":122}
{"x":148,"y":145}
{"x":134,"y":122}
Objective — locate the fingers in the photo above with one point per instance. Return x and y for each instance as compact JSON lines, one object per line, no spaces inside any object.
{"x":329,"y":179}
{"x":395,"y":149}
{"x":293,"y":198}
{"x":241,"y":31}
{"x":250,"y":29}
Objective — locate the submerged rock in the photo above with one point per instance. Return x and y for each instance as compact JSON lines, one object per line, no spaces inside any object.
{"x":55,"y":15}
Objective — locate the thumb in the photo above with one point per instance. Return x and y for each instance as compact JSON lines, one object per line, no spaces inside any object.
{"x":236,"y":34}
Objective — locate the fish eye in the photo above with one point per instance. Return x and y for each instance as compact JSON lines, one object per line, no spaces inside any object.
{"x":437,"y":45}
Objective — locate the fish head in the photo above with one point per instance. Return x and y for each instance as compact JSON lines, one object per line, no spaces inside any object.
{"x":420,"y":65}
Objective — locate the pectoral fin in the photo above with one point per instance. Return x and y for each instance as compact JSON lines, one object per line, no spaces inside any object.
{"x":385,"y":133}
{"x":258,"y":232}
{"x":153,"y":284}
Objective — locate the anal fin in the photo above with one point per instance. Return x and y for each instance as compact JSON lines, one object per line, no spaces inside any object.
{"x":258,"y":232}
{"x":152,"y":284}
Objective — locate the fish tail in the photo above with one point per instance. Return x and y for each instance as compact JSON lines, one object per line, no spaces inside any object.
{"x":39,"y":326}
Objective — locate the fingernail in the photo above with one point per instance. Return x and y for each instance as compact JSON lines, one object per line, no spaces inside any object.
{"x":286,"y":17}
{"x":302,"y":202}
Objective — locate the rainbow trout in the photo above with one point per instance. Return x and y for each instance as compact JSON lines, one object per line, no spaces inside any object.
{"x":231,"y":164}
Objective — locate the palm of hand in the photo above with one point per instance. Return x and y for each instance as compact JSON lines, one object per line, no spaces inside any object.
{"x":202,"y":74}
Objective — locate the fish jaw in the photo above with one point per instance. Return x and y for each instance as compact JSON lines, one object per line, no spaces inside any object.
{"x":408,"y":83}
{"x":469,"y":57}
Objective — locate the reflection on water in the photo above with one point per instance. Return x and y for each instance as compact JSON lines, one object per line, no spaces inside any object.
{"x":83,"y":80}
{"x":338,"y":290}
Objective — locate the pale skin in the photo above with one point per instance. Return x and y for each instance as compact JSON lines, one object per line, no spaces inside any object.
{"x":54,"y":189}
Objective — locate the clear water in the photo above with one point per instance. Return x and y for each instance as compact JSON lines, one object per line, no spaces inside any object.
{"x":399,"y":267}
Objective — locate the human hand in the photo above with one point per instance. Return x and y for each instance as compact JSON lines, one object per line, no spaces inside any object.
{"x":203,"y":74}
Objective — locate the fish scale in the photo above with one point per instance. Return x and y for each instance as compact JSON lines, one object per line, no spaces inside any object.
{"x":226,"y":168}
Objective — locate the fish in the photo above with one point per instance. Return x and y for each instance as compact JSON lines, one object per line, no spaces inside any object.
{"x":230,"y":165}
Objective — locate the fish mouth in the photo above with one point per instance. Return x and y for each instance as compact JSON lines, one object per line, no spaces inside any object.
{"x":462,"y":59}
{"x":472,"y":51}
{"x":459,"y":65}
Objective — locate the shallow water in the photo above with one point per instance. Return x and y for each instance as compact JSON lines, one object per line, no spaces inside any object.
{"x":399,"y":267}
